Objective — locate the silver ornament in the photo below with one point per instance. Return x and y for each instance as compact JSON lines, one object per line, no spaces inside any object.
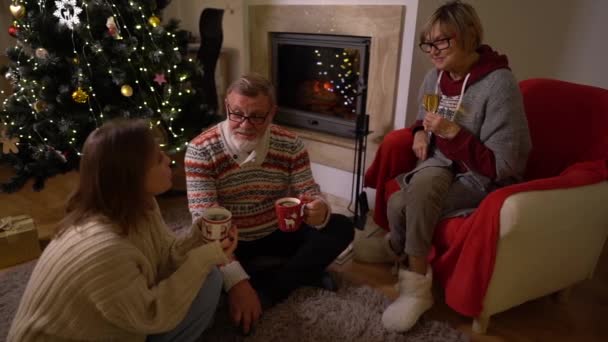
{"x":42,"y":53}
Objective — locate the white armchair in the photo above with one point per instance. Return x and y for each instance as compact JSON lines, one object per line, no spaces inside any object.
{"x":552,"y":239}
{"x":549,"y":240}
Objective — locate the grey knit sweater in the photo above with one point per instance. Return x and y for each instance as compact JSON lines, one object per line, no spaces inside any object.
{"x":492,"y":111}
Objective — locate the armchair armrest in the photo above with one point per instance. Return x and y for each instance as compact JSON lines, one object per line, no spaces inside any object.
{"x":548,"y":241}
{"x":556,"y":211}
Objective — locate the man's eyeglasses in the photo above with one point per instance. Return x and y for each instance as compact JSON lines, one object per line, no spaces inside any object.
{"x":439,"y":45}
{"x":240,"y":117}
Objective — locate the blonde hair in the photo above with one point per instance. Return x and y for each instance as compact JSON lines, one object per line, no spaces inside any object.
{"x":252,"y":85}
{"x":459,"y":17}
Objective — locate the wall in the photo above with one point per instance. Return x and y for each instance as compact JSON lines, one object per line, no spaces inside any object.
{"x":568,"y":42}
{"x":543,"y":38}
{"x":6,"y":18}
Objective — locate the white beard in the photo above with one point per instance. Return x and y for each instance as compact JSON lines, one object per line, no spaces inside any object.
{"x":238,"y":143}
{"x":244,"y":145}
{"x":245,"y":151}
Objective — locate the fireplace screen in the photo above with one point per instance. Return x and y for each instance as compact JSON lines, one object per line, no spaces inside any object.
{"x":320,"y":80}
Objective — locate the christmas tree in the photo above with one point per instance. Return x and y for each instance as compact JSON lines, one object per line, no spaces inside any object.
{"x":79,"y":63}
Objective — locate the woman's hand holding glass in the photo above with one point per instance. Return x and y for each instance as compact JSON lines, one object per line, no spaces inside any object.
{"x":437,"y":124}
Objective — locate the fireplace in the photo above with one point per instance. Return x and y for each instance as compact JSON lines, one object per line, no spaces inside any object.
{"x":321,"y":80}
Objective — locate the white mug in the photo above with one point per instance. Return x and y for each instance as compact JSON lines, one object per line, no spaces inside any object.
{"x":215,"y":223}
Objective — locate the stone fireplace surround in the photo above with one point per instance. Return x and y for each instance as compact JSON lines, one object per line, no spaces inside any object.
{"x":383,"y":23}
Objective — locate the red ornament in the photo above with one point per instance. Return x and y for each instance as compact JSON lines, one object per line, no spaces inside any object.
{"x":12,"y":30}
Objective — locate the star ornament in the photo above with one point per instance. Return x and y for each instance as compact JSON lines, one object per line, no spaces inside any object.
{"x":67,"y":12}
{"x":160,"y":79}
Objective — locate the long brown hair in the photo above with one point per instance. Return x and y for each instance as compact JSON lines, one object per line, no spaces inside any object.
{"x":113,"y":165}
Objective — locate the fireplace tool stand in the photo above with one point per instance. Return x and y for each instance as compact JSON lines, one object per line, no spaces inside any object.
{"x":360,"y":197}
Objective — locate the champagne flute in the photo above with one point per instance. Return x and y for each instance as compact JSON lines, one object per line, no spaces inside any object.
{"x":430,"y":102}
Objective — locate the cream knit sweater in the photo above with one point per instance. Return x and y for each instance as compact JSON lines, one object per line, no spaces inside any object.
{"x":94,"y":284}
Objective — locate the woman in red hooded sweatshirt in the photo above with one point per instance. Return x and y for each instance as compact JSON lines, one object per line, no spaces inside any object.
{"x":475,"y":141}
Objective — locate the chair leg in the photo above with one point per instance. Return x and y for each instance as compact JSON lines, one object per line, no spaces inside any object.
{"x":563,"y":295}
{"x":480,"y":324}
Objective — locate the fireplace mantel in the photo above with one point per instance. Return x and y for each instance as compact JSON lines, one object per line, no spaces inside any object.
{"x":383,"y":23}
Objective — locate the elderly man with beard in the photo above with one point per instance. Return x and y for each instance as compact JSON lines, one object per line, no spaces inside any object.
{"x":246,"y":163}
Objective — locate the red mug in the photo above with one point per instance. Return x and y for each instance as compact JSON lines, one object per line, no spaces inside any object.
{"x":290,"y":213}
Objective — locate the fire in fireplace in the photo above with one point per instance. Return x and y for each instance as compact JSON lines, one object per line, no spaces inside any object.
{"x":321,"y":80}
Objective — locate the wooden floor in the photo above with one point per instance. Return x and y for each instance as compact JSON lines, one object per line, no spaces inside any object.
{"x":583,"y":318}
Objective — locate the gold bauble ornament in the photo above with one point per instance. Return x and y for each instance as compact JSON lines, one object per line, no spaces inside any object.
{"x":154,"y":21}
{"x":126,"y":90}
{"x":80,"y":95}
{"x":41,"y":106}
{"x":18,"y":11}
{"x":76,"y":60}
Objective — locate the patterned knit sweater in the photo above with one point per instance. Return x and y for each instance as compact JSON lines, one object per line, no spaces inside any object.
{"x":94,"y":284}
{"x":215,"y":178}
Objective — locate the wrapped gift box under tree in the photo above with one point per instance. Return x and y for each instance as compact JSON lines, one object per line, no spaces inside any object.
{"x":18,"y":240}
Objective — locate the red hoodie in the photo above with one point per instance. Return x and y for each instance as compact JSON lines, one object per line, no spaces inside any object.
{"x":489,"y":60}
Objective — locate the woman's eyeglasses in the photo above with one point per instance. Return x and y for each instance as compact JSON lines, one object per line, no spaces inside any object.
{"x":439,"y":45}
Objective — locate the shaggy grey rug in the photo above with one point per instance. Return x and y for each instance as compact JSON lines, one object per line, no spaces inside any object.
{"x":12,"y":285}
{"x":309,"y":314}
{"x":352,"y":313}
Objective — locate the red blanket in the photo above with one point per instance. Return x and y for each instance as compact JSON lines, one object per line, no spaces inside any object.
{"x":394,"y":156}
{"x":465,"y":248}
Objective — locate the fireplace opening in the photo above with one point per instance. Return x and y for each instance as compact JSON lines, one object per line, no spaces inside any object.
{"x":320,"y":81}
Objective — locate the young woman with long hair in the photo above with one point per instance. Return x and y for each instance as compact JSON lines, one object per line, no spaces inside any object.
{"x":113,"y":272}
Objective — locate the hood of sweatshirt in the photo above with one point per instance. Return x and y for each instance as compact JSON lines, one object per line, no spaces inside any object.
{"x":489,"y":60}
